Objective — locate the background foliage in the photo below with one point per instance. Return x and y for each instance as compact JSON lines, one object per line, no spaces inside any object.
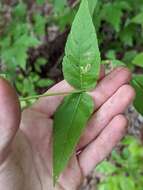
{"x":32,"y":40}
{"x":124,"y":170}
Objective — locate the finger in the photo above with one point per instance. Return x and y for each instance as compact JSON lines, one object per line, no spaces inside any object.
{"x":103,"y":91}
{"x":112,"y":107}
{"x":109,"y":85}
{"x":95,"y":152}
{"x":9,"y":117}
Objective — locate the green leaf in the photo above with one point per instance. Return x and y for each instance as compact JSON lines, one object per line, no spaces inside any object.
{"x":103,"y":186}
{"x":127,"y":35}
{"x":117,"y":157}
{"x":40,"y":2}
{"x":27,"y":41}
{"x":81,"y":63}
{"x":128,"y":140}
{"x":129,"y":56}
{"x":106,"y":168}
{"x":12,"y":59}
{"x":59,"y":5}
{"x":19,"y":11}
{"x":20,"y":57}
{"x":138,"y":60}
{"x":69,"y":121}
{"x":137,"y":83}
{"x":126,"y":183}
{"x":40,"y":62}
{"x":112,"y":13}
{"x":39,"y":26}
{"x":66,"y":19}
{"x":44,"y":83}
{"x":124,"y":5}
{"x":112,"y":183}
{"x":138,"y":19}
{"x":92,"y":5}
{"x":111,"y":54}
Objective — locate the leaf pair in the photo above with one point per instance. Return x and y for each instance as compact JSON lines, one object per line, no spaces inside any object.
{"x":81,"y":67}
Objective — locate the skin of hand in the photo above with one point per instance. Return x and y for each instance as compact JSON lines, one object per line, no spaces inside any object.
{"x":26,"y":139}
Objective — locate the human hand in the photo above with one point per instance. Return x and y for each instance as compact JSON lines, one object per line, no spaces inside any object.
{"x":26,"y":143}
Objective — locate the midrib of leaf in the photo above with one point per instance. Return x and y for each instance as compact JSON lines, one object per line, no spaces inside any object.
{"x":79,"y":65}
{"x":81,"y":78}
{"x":75,"y":111}
{"x":79,"y":53}
{"x":69,"y":126}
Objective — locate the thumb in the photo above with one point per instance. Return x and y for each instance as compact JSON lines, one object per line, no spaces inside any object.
{"x":9,"y":117}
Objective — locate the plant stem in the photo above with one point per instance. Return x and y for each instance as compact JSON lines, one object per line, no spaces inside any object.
{"x":50,"y":94}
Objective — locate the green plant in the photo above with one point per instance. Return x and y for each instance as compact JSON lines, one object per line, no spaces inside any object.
{"x":122,"y":45}
{"x":20,"y":31}
{"x":81,"y":66}
{"x":16,"y":43}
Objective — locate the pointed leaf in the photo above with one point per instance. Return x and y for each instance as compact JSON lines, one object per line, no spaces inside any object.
{"x":69,"y":122}
{"x":81,"y":63}
{"x":138,"y":19}
{"x":137,"y":83}
{"x":138,"y":60}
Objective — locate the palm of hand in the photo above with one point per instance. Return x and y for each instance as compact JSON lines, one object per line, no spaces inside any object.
{"x":28,"y":166}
